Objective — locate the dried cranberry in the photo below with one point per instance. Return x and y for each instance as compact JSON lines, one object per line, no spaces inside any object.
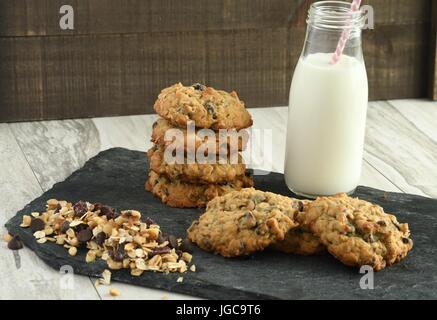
{"x":162,"y":250}
{"x":80,"y":208}
{"x":109,"y":212}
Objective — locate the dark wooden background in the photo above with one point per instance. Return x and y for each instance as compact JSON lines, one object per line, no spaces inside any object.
{"x":123,"y":52}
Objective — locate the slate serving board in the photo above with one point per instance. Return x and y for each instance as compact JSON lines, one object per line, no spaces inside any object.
{"x":116,"y":177}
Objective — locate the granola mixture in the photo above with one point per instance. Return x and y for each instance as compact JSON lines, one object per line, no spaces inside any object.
{"x":119,"y":238}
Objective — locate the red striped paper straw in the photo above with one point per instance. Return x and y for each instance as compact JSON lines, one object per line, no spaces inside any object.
{"x":345,"y":34}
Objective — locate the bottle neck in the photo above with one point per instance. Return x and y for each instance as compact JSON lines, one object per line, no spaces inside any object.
{"x":326,"y":22}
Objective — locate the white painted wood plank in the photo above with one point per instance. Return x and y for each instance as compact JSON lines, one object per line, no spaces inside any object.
{"x":55,"y":149}
{"x":402,"y":145}
{"x":34,"y":279}
{"x":131,"y":132}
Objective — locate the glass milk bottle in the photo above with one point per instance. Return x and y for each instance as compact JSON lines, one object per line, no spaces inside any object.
{"x":327,"y":106}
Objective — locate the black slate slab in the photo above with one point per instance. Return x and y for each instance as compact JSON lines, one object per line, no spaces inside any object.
{"x":116,"y":177}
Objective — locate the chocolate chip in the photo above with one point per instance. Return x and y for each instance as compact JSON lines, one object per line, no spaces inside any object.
{"x":119,"y":254}
{"x":84,"y":235}
{"x":406,"y":240}
{"x":198,"y":86}
{"x":80,"y":227}
{"x":381,"y":223}
{"x":161,"y":250}
{"x":65,"y":226}
{"x":173,"y":241}
{"x":186,"y":246}
{"x":37,"y":225}
{"x":15,"y":243}
{"x":80,"y":208}
{"x":149,"y":221}
{"x":100,"y":238}
{"x":210,"y":108}
{"x":154,"y":124}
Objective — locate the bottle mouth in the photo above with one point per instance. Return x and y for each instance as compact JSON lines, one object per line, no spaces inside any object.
{"x":334,"y":15}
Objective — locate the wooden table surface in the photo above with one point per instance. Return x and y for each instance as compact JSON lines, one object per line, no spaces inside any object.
{"x":400,"y":156}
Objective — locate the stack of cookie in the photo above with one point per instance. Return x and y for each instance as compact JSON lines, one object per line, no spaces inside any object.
{"x":188,"y":182}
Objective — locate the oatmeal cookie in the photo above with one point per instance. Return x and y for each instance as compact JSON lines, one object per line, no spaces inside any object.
{"x":196,"y":172}
{"x":357,"y":232}
{"x":242,"y":222}
{"x":206,"y":106}
{"x":179,"y":194}
{"x":229,"y":140}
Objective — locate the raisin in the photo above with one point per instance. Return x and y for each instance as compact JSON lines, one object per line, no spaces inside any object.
{"x":109,"y":212}
{"x":406,"y":240}
{"x":210,"y":108}
{"x":382,"y":223}
{"x":198,"y":86}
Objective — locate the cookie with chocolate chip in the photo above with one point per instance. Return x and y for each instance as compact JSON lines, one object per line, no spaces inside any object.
{"x":179,"y":194}
{"x":204,"y":106}
{"x":357,"y":232}
{"x":243,"y":222}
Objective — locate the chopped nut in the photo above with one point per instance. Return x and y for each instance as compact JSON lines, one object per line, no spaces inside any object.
{"x":52,"y":202}
{"x":7,"y":237}
{"x":187,"y":257}
{"x":106,"y":277}
{"x":39,"y":234}
{"x":114,"y":292}
{"x":90,"y":256}
{"x":136,"y":272}
{"x":180,"y":279}
{"x":72,"y":251}
{"x":26,"y":221}
{"x":41,"y":240}
{"x":35,"y":214}
{"x":193,"y":268}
